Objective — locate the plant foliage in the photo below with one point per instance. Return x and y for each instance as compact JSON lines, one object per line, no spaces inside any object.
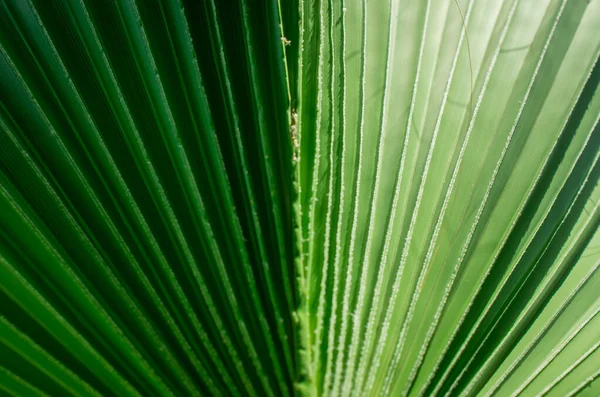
{"x":311,"y":197}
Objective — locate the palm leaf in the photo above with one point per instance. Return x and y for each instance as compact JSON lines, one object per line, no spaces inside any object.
{"x":313,"y":198}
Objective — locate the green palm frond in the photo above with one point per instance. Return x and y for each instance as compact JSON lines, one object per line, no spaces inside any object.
{"x":279,"y":197}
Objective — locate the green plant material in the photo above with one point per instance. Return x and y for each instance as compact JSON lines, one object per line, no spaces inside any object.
{"x":280,"y":197}
{"x":451,"y":154}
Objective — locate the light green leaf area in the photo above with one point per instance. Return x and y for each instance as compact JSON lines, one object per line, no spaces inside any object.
{"x":299,"y":197}
{"x":448,"y":232}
